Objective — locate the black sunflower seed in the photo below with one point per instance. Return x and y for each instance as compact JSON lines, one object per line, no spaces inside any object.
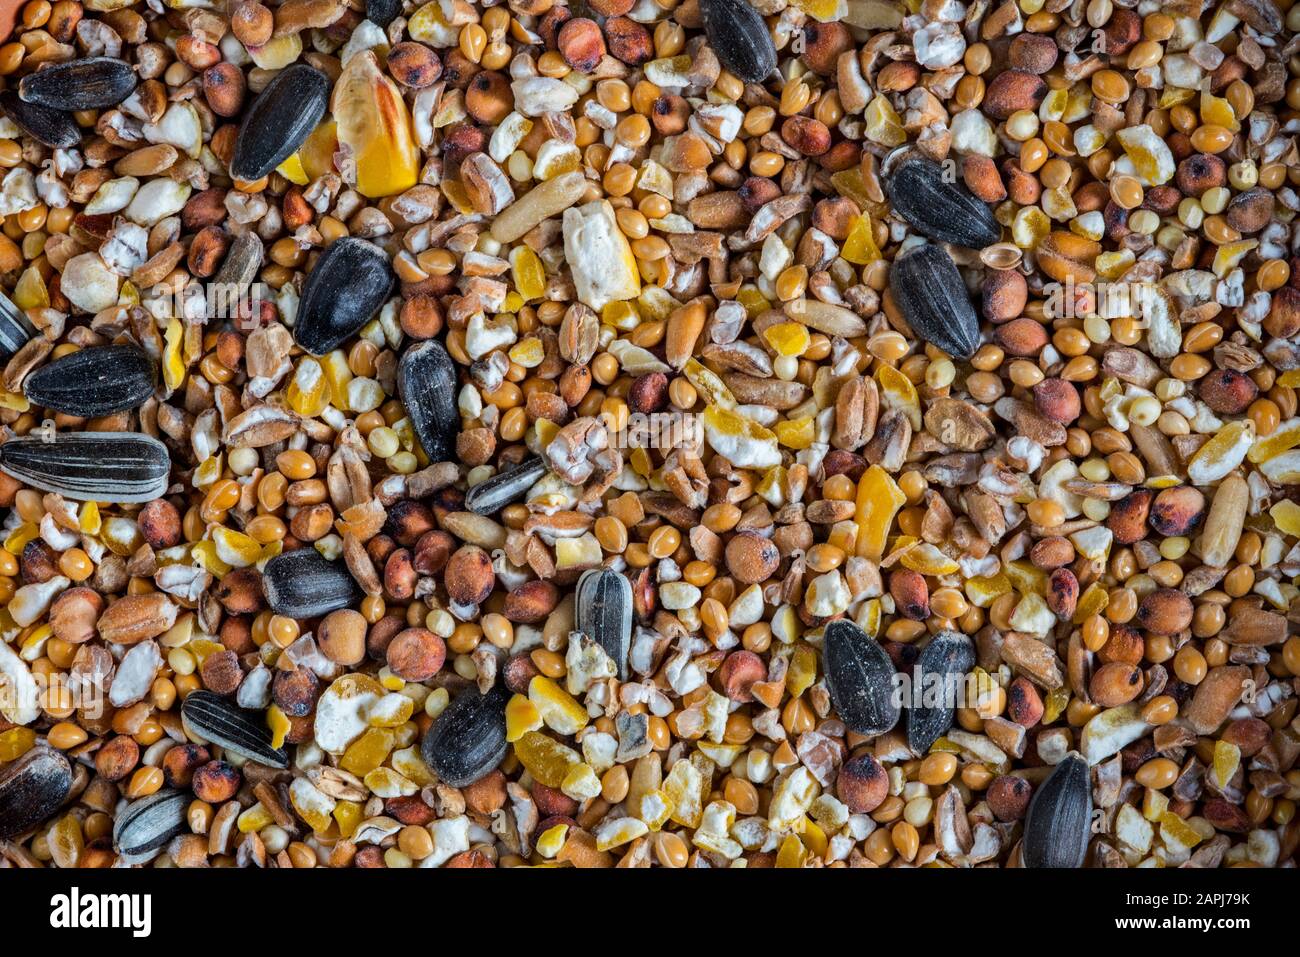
{"x":933,"y":299}
{"x":345,"y":288}
{"x":860,"y":677}
{"x":426,"y":383}
{"x":55,"y":128}
{"x":603,"y":612}
{"x":469,"y":738}
{"x":1059,"y":821}
{"x":93,"y":83}
{"x":938,"y":672}
{"x":279,"y":120}
{"x":31,"y":789}
{"x":305,"y":584}
{"x":937,"y":204}
{"x":92,"y":382}
{"x":90,"y":466}
{"x":488,"y":498}
{"x":740,"y":38}
{"x":220,"y":721}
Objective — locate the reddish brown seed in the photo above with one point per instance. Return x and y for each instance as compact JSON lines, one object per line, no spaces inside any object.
{"x":581,"y":44}
{"x":1021,"y":337}
{"x":160,"y":524}
{"x":421,"y":317}
{"x":432,"y":551}
{"x":1227,"y":391}
{"x":469,"y":576}
{"x":649,"y":393}
{"x":751,"y":558}
{"x":911,"y":593}
{"x":531,"y":602}
{"x":1058,"y":400}
{"x":1011,"y":91}
{"x":1128,"y":517}
{"x":981,"y":176}
{"x":487,"y":795}
{"x":552,"y":802}
{"x":807,"y":135}
{"x":117,"y":758}
{"x":1052,"y":552}
{"x":611,"y":8}
{"x":416,"y":654}
{"x":413,"y":64}
{"x":862,"y":783}
{"x":628,"y":41}
{"x":1124,"y":645}
{"x":1024,"y":704}
{"x":221,"y":673}
{"x":1176,"y":511}
{"x":1199,"y":172}
{"x":180,"y":763}
{"x":1033,"y":52}
{"x":739,"y":672}
{"x":1283,"y":319}
{"x":1062,"y":593}
{"x":216,"y":782}
{"x":223,"y":88}
{"x":409,"y":810}
{"x":1165,"y":611}
{"x":294,"y":691}
{"x":1008,"y":797}
{"x":252,"y":23}
{"x":1115,"y":684}
{"x":1249,"y":734}
{"x":823,"y":44}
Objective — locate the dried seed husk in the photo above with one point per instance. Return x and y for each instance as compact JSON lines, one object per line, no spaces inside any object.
{"x":1059,"y":822}
{"x":31,"y":789}
{"x":469,"y":738}
{"x":740,"y":38}
{"x":279,"y":120}
{"x":304,"y":584}
{"x":346,"y":287}
{"x":55,"y":128}
{"x":218,"y":720}
{"x":230,"y":286}
{"x":949,"y":653}
{"x":426,"y":384}
{"x":122,"y":467}
{"x":919,"y":191}
{"x":16,"y":329}
{"x":145,"y":826}
{"x":488,"y":498}
{"x":860,"y":677}
{"x":92,"y":382}
{"x":603,"y":612}
{"x":933,"y":299}
{"x":92,"y":83}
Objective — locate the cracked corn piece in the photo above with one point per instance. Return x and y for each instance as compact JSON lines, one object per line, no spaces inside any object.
{"x":599,"y":256}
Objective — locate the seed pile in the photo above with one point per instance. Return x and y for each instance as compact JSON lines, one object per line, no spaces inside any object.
{"x":988,"y":314}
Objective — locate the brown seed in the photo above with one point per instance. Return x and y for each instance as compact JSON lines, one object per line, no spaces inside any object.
{"x":1283,"y":319}
{"x":823,"y":44}
{"x":1199,"y":172}
{"x":488,"y":99}
{"x":117,"y":758}
{"x":1067,"y":257}
{"x":223,"y":88}
{"x":1033,"y":52}
{"x":487,"y":795}
{"x":469,"y":577}
{"x":295,"y":691}
{"x":410,"y":810}
{"x":911,"y":593}
{"x":1249,"y":734}
{"x":252,"y":23}
{"x":1125,"y":644}
{"x":180,"y":763}
{"x":1058,"y":400}
{"x":413,"y":64}
{"x":1115,"y":684}
{"x":399,"y":576}
{"x":1215,"y":696}
{"x":74,"y":613}
{"x":1128,"y":517}
{"x":134,"y":618}
{"x":751,"y":558}
{"x":1227,"y":391}
{"x":518,"y":672}
{"x":1165,"y":611}
{"x":216,"y":782}
{"x":862,"y":784}
{"x":581,"y":44}
{"x":207,"y":250}
{"x":160,"y":524}
{"x":1122,"y":32}
{"x":1062,"y":593}
{"x":807,"y":135}
{"x":381,"y":635}
{"x":1009,"y":796}
{"x":1011,"y":91}
{"x":1021,"y":337}
{"x":552,"y":802}
{"x":342,"y":636}
{"x":1052,"y":552}
{"x":220,"y":672}
{"x":531,"y":602}
{"x":421,"y":317}
{"x":739,"y":672}
{"x":1024,"y":704}
{"x":416,"y":654}
{"x":1176,"y":511}
{"x":1249,"y":212}
{"x":611,"y":8}
{"x":628,"y":41}
{"x":240,"y":591}
{"x":981,"y":176}
{"x":648,"y":393}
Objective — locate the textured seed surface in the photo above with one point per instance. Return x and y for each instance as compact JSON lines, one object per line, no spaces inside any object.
{"x":603,"y":612}
{"x":304,"y":584}
{"x":921,"y":192}
{"x":54,"y":128}
{"x":860,"y":677}
{"x":89,"y":84}
{"x":91,"y":466}
{"x":15,"y":328}
{"x":426,"y":381}
{"x":279,"y":120}
{"x":345,"y":289}
{"x":933,"y":299}
{"x":218,"y":720}
{"x":488,"y":498}
{"x":31,"y":789}
{"x":469,"y":738}
{"x":146,"y":825}
{"x":740,"y":38}
{"x":1060,"y":817}
{"x":947,"y":658}
{"x":95,"y":381}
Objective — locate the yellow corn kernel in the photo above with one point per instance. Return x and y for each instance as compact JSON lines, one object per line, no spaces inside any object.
{"x":522,"y":716}
{"x":374,"y":124}
{"x":558,"y":709}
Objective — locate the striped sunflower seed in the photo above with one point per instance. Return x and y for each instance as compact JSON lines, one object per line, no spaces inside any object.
{"x":217,"y":720}
{"x":279,"y":120}
{"x":933,"y":299}
{"x":304,"y":584}
{"x":346,"y":287}
{"x":89,"y":84}
{"x":426,"y":383}
{"x":740,"y":38}
{"x":31,"y":789}
{"x":92,"y":382}
{"x":921,"y":192}
{"x":124,"y":467}
{"x":603,"y":612}
{"x":490,"y":497}
{"x":947,"y":658}
{"x":145,"y":826}
{"x":860,"y":677}
{"x":1059,"y":821}
{"x":55,"y":128}
{"x":15,"y":328}
{"x":469,"y":738}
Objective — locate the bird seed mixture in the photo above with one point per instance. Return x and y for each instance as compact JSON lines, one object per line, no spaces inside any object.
{"x":650,"y":433}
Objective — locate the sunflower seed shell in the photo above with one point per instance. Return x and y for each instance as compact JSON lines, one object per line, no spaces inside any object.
{"x":304,"y":584}
{"x":860,"y":677}
{"x":122,"y":467}
{"x":930,"y":293}
{"x":345,"y":289}
{"x":740,"y":38}
{"x":92,"y":382}
{"x":1059,"y":821}
{"x":89,"y":84}
{"x":31,"y":789}
{"x":603,"y":612}
{"x":219,"y":721}
{"x":279,"y":120}
{"x":921,"y":192}
{"x":426,"y":383}
{"x":488,"y":498}
{"x":469,"y":738}
{"x":146,"y":825}
{"x":947,"y":657}
{"x":55,"y":128}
